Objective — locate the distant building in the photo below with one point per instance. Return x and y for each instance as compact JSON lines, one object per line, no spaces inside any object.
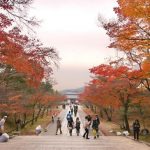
{"x":72,"y":96}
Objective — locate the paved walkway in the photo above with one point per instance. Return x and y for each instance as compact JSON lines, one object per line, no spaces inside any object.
{"x":51,"y":129}
{"x":49,"y":141}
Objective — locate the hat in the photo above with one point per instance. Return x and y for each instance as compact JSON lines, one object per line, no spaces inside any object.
{"x":5,"y":116}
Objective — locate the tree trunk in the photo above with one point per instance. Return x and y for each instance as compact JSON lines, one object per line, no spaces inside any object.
{"x":91,"y":107}
{"x":142,"y":115}
{"x":125,"y":115}
{"x":95,"y":109}
{"x":47,"y":111}
{"x":107,"y":114}
{"x":24,"y":120}
{"x":101,"y":113}
{"x":33,"y":115}
{"x":38,"y":114}
{"x":42,"y":114}
{"x":126,"y":122}
{"x":15,"y":119}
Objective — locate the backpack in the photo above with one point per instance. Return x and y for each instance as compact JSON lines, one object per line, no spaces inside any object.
{"x":68,"y":116}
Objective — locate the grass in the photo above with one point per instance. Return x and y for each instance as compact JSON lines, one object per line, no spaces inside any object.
{"x":145,"y":138}
{"x":106,"y":126}
{"x":30,"y":129}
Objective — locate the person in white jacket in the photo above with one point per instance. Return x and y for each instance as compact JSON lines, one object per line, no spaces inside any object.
{"x":38,"y":130}
{"x":87,"y":124}
{"x":2,"y":122}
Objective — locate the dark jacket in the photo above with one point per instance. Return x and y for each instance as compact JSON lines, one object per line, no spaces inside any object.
{"x":136,"y":126}
{"x":78,"y":125}
{"x":98,"y":120}
{"x":95,"y":124}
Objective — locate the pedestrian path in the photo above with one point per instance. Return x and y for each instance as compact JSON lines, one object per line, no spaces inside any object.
{"x":49,"y":141}
{"x":71,"y":143}
{"x":51,"y":129}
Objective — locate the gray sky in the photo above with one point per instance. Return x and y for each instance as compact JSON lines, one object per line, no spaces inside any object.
{"x":71,"y":26}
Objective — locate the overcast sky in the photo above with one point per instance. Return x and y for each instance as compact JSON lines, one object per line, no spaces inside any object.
{"x":71,"y":26}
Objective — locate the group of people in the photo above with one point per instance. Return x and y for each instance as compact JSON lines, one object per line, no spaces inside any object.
{"x":73,"y":109}
{"x":71,"y":124}
{"x":94,"y":122}
{"x":89,"y":121}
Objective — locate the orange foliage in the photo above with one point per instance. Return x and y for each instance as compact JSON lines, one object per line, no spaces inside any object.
{"x":130,"y":32}
{"x":112,"y":87}
{"x":25,"y":55}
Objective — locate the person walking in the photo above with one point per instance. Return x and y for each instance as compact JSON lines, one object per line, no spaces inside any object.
{"x":89,"y":118}
{"x":87,"y":124}
{"x":71,"y":110}
{"x":52,"y":118}
{"x":2,"y":122}
{"x":77,"y":126}
{"x":69,"y":116}
{"x":58,"y":126}
{"x":75,"y":110}
{"x":136,"y":129}
{"x":95,"y":126}
{"x":98,"y":121}
{"x":70,"y":125}
{"x":18,"y":124}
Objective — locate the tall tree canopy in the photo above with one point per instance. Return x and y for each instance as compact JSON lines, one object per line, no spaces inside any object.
{"x":130,"y":34}
{"x":24,"y":54}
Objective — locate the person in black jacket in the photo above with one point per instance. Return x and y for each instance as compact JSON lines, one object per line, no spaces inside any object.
{"x":95,"y":126}
{"x":136,"y":129}
{"x":77,"y":126}
{"x":98,"y":121}
{"x":70,"y":125}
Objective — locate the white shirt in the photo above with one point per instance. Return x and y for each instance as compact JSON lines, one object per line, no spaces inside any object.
{"x":38,"y":128}
{"x":87,"y":124}
{"x":2,"y":122}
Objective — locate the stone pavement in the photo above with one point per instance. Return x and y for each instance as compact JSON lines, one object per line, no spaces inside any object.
{"x":51,"y":129}
{"x":49,"y":141}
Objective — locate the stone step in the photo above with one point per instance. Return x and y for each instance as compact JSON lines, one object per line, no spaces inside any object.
{"x":49,"y":141}
{"x":68,"y":140}
{"x":71,"y":143}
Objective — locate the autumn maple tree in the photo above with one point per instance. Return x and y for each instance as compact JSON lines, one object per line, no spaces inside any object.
{"x":24,"y":64}
{"x":130,"y":34}
{"x":122,"y":83}
{"x":113,"y":88}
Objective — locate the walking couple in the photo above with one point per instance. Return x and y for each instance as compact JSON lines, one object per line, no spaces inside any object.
{"x":95,"y":126}
{"x":71,"y":125}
